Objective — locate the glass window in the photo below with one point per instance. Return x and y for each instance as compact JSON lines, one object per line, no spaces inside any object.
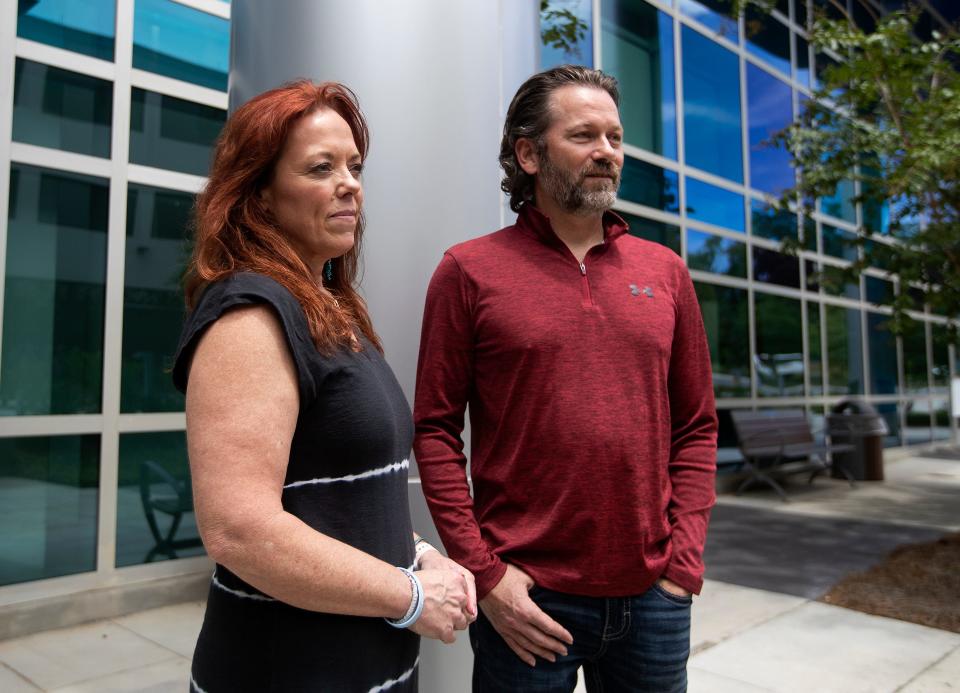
{"x":839,"y":242}
{"x":845,"y":359}
{"x":769,"y":111}
{"x":728,"y":446}
{"x":809,"y":234}
{"x":814,"y":349}
{"x":558,"y":46}
{"x":772,"y":223}
{"x":725,"y":320}
{"x":915,"y":358}
{"x":803,"y":60}
{"x":48,"y":526}
{"x":940,"y":368}
{"x":800,"y":8}
{"x":840,"y":204}
{"x":779,"y":352}
{"x":84,"y":27}
{"x":768,"y":39}
{"x":54,"y":292}
{"x":941,"y":419}
{"x":813,"y":275}
{"x":836,"y":283}
{"x":60,"y":109}
{"x":180,"y":42}
{"x":154,"y":492}
{"x":153,"y":309}
{"x":711,"y":108}
{"x":713,"y":205}
{"x":892,"y":417}
{"x":650,"y":185}
{"x":878,"y":291}
{"x":637,"y":43}
{"x":716,"y":254}
{"x":171,"y":133}
{"x":917,"y":429}
{"x":775,"y":268}
{"x":713,"y":14}
{"x":656,"y":231}
{"x":884,"y":379}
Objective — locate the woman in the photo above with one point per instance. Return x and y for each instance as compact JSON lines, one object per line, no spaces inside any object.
{"x":298,"y":433}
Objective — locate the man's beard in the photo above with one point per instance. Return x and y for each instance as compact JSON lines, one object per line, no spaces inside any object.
{"x":569,"y":191}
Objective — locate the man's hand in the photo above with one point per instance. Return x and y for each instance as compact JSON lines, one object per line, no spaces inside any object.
{"x":434,"y":560}
{"x":523,"y":625}
{"x":673,"y":588}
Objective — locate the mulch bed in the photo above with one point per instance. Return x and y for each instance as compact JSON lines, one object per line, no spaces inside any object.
{"x":919,"y":583}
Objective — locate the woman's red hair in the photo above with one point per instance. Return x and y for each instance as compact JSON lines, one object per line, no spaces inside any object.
{"x":235,"y":232}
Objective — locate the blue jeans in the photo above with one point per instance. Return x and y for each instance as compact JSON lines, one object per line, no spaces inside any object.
{"x":623,"y":644}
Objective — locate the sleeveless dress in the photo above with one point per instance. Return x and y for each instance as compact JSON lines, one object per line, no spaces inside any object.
{"x":346,"y":478}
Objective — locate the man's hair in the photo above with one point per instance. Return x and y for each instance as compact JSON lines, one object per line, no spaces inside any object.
{"x":529,"y":116}
{"x":235,"y":232}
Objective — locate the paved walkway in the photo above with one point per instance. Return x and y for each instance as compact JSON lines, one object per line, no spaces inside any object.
{"x":757,"y":628}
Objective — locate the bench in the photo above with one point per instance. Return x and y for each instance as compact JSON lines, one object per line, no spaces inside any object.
{"x":779,"y":442}
{"x":174,"y":498}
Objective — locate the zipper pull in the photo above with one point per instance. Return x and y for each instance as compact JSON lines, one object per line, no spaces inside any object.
{"x":583,"y":269}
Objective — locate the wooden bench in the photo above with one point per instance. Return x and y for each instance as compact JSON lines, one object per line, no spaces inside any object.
{"x":779,"y":442}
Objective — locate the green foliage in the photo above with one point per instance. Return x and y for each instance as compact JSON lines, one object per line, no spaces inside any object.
{"x":560,"y":27}
{"x":888,"y":116}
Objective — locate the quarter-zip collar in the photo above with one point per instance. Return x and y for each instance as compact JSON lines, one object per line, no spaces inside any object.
{"x":532,"y":220}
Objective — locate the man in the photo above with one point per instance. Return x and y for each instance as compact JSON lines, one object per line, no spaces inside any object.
{"x":581,"y":353}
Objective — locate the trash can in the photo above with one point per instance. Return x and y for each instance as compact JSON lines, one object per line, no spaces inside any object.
{"x":857,"y":423}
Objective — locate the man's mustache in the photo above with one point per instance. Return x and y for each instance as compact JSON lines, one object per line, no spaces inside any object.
{"x":602,"y":169}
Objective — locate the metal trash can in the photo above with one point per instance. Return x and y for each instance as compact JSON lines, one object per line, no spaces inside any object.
{"x":855,"y":422}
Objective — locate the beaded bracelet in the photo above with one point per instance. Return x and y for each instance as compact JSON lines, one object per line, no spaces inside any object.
{"x":416,"y":603}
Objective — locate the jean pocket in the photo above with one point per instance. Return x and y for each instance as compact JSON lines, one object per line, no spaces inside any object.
{"x":675,"y":599}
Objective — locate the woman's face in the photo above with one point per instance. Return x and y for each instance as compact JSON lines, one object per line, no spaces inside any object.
{"x":315,"y":194}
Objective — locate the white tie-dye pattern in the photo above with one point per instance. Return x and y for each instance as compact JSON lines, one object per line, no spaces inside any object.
{"x":387,"y":685}
{"x":350,"y":478}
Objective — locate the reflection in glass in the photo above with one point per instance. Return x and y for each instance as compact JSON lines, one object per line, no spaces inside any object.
{"x":803,"y":60}
{"x":769,"y":222}
{"x":650,"y":185}
{"x":838,"y":242}
{"x":940,"y":368}
{"x":728,"y":445}
{"x":714,"y":205}
{"x":656,"y":231}
{"x":54,"y":292}
{"x":845,"y":359}
{"x":154,"y":492}
{"x":892,"y":417}
{"x":711,"y":108}
{"x":153,"y":309}
{"x":579,"y":52}
{"x":813,"y":275}
{"x":637,"y":43}
{"x":769,"y":110}
{"x":779,"y":352}
{"x":877,"y":290}
{"x":840,"y":204}
{"x":775,"y":268}
{"x":814,"y":349}
{"x":884,"y":379}
{"x":171,"y":133}
{"x":180,"y":42}
{"x":835,"y":282}
{"x":768,"y":39}
{"x":917,"y":429}
{"x":914,"y":340}
{"x":713,"y":14}
{"x":941,"y":419}
{"x":716,"y":254}
{"x":84,"y":27}
{"x":48,"y":526}
{"x":809,"y":234}
{"x":61,"y":109}
{"x":725,"y":320}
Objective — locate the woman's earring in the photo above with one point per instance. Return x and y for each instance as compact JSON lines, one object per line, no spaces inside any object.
{"x":328,"y":271}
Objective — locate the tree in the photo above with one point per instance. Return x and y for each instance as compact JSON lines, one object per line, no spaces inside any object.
{"x":887,"y":116}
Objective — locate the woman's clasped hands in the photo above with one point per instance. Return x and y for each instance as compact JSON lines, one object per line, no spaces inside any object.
{"x":449,"y":598}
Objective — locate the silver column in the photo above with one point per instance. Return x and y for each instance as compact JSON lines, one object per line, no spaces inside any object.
{"x":434,"y":78}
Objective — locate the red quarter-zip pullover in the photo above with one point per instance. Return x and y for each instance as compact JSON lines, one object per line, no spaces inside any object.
{"x":593,"y":428}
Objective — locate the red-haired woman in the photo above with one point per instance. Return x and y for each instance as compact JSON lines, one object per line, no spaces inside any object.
{"x":298,"y":432}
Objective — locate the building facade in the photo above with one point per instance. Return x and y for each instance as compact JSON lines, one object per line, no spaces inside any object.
{"x":112,"y":107}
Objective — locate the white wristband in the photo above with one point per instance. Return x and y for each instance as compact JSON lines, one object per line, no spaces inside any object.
{"x":421,"y":546}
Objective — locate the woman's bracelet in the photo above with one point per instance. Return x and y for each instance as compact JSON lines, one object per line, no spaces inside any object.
{"x":420,"y":547}
{"x":416,"y":603}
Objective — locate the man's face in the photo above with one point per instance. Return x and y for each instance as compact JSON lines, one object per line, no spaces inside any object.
{"x":582,"y":151}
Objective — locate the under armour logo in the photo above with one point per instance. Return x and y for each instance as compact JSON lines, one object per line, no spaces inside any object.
{"x":646,"y":291}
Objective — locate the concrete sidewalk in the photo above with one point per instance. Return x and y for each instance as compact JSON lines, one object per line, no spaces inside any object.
{"x":744,"y":638}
